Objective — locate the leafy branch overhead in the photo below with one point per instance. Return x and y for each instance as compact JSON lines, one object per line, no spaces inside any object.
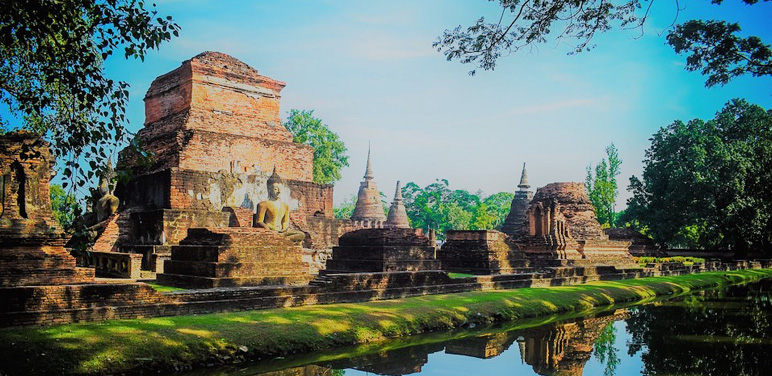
{"x":713,"y":47}
{"x":52,"y":77}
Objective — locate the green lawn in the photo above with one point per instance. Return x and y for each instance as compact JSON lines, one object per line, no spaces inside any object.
{"x":163,"y":343}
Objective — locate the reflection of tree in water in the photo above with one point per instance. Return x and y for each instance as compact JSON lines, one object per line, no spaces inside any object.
{"x":605,"y":351}
{"x":704,"y":336}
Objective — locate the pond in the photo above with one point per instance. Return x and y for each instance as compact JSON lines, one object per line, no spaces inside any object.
{"x":714,"y":332}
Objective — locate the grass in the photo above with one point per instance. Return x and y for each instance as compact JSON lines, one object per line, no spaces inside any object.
{"x":162,"y":288}
{"x":171,"y":342}
{"x":460,"y":275}
{"x":688,"y":261}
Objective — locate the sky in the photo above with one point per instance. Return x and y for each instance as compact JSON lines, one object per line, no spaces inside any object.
{"x":369,"y":71}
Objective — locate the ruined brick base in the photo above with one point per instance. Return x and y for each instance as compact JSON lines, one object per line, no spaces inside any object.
{"x":63,"y":304}
{"x":227,"y":257}
{"x":480,"y":252}
{"x":47,"y":264}
{"x":383,"y":250}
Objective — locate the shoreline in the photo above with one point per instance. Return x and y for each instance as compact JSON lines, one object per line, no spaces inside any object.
{"x":181,"y":342}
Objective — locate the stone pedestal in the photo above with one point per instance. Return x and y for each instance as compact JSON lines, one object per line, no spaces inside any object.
{"x":480,"y":252}
{"x":228,"y":257}
{"x":383,"y":250}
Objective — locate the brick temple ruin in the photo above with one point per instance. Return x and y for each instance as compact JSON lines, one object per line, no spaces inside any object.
{"x":556,"y":227}
{"x":227,"y":208}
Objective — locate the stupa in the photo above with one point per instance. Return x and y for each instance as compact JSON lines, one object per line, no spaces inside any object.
{"x":516,"y":217}
{"x":397,"y":214}
{"x":368,"y":212}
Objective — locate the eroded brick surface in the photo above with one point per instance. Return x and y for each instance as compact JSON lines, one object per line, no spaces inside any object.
{"x":31,"y":242}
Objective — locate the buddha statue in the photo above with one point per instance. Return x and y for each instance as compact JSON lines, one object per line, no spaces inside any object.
{"x":107,"y":204}
{"x":274,"y":213}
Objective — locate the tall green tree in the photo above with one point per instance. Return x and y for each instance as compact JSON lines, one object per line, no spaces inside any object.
{"x":716,"y":48}
{"x":329,"y":151}
{"x":706,"y":183}
{"x":601,"y":185}
{"x":52,"y":80}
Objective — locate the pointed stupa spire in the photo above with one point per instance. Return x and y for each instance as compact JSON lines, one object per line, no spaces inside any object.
{"x":369,"y":170}
{"x":368,"y":206}
{"x":398,"y":192}
{"x":523,"y":180}
{"x":397,"y":213}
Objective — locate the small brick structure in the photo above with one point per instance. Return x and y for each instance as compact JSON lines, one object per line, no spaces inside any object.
{"x":560,"y":224}
{"x":383,"y":250}
{"x":32,"y":251}
{"x":228,"y":257}
{"x":480,"y":252}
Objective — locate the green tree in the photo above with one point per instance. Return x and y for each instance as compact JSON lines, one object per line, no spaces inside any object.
{"x":438,"y":207}
{"x":65,"y":207}
{"x":602,"y":186}
{"x":52,"y":78}
{"x":345,"y":209}
{"x":498,"y":205}
{"x":604,"y":349}
{"x":713,"y":47}
{"x":329,"y":150}
{"x":706,"y":183}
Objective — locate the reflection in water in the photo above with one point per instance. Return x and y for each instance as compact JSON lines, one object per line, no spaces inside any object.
{"x":712,"y":333}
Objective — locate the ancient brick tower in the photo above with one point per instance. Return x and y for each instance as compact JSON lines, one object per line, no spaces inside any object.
{"x":520,"y":202}
{"x":397,"y":213}
{"x":368,"y":211}
{"x":214,"y":131}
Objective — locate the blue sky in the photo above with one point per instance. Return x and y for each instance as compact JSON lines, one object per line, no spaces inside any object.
{"x":368,"y":70}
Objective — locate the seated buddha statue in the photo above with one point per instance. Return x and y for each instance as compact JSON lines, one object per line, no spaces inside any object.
{"x":274,"y":213}
{"x":107,"y":204}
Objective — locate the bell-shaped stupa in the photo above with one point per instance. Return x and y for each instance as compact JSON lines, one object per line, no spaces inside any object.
{"x":368,"y":211}
{"x":397,"y":213}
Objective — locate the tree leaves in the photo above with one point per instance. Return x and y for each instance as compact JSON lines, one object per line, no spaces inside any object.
{"x":329,"y":151}
{"x":52,"y":78}
{"x":602,"y":186}
{"x":713,"y":47}
{"x":437,"y":207}
{"x":706,"y":183}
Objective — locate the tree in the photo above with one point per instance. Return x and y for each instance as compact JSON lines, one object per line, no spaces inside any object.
{"x":714,"y":47}
{"x":438,"y":207}
{"x":706,"y":183}
{"x":498,"y":205}
{"x":329,"y":150}
{"x":64,"y":206}
{"x":52,"y":78}
{"x":345,"y":209}
{"x":602,"y":186}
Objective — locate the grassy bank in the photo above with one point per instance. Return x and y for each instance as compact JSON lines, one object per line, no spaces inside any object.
{"x":173,"y":342}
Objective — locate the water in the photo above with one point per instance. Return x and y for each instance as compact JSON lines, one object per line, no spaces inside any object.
{"x":717,"y":332}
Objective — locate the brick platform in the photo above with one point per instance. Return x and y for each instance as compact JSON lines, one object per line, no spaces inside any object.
{"x":62,"y":304}
{"x":383,"y":250}
{"x":234,"y":257}
{"x":480,"y":252}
